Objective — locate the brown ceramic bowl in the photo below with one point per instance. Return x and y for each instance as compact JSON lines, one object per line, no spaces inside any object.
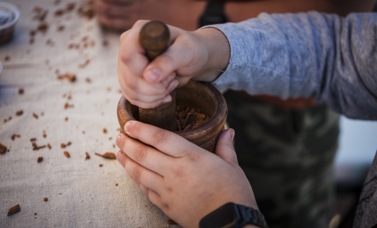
{"x":197,"y":95}
{"x":9,"y":15}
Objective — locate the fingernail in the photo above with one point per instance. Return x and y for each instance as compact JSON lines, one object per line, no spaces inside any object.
{"x":175,"y":84}
{"x":166,"y":99}
{"x":118,"y":138}
{"x":153,"y":74}
{"x":127,"y":127}
{"x":232,"y":133}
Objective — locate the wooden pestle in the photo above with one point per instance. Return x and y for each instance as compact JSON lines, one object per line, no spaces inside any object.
{"x":154,"y":38}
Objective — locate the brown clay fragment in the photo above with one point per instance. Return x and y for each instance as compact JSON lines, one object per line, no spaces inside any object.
{"x":21,"y":90}
{"x":66,"y":153}
{"x":36,"y":147}
{"x":108,"y":155}
{"x":35,"y":115}
{"x":62,"y":145}
{"x":104,"y":130}
{"x":44,"y":134}
{"x":14,"y":136}
{"x":100,"y":165}
{"x":14,"y":209}
{"x":87,"y":156}
{"x":33,"y":139}
{"x":49,"y":146}
{"x":19,"y":112}
{"x":45,"y":199}
{"x":3,"y":149}
{"x":40,"y":159}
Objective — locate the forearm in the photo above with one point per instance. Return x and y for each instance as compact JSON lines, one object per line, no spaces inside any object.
{"x":302,"y":55}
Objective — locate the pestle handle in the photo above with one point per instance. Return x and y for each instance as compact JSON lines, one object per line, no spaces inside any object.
{"x":154,"y":38}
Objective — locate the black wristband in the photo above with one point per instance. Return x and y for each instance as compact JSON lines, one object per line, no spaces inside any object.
{"x":232,"y":215}
{"x":213,"y":14}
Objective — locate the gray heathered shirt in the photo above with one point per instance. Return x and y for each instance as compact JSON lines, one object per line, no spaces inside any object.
{"x":330,"y":58}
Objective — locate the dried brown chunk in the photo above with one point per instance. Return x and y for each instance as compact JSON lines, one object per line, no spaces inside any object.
{"x":104,"y":130}
{"x":40,"y":159}
{"x":45,"y":199}
{"x":116,"y":184}
{"x":87,"y":156}
{"x":70,"y":6}
{"x":33,"y":139}
{"x":189,"y":118}
{"x":14,"y":209}
{"x":19,"y":112}
{"x":60,"y":28}
{"x":67,"y":105}
{"x":43,"y":27}
{"x":36,"y":147}
{"x":49,"y":146}
{"x":62,"y":145}
{"x":69,"y":143}
{"x":3,"y":149}
{"x":6,"y":58}
{"x":59,"y":12}
{"x":14,"y":136}
{"x":100,"y":165}
{"x":84,"y":64}
{"x":86,"y":10}
{"x":108,"y":155}
{"x":44,"y":134}
{"x":21,"y":90}
{"x":66,"y":118}
{"x":70,"y":77}
{"x":35,"y":115}
{"x":66,"y":153}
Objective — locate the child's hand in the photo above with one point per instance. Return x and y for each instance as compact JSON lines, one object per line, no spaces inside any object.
{"x":191,"y":55}
{"x":185,"y":181}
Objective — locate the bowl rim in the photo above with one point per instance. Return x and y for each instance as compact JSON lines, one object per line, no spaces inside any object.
{"x":14,"y":9}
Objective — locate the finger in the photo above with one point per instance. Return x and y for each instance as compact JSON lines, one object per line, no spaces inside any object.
{"x":144,"y":155}
{"x":113,"y":23}
{"x":131,"y":53}
{"x":139,"y":85}
{"x":153,"y":196}
{"x":224,"y":147}
{"x":140,"y":174}
{"x":172,"y":60}
{"x":112,"y":8}
{"x":165,"y":141}
{"x":134,"y":96}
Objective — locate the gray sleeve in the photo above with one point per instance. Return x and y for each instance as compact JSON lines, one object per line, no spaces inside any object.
{"x":330,"y":58}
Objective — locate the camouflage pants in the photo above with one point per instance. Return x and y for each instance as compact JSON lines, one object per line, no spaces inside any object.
{"x":287,"y":155}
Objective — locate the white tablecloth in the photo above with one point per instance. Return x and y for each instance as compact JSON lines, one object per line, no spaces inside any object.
{"x":80,"y":193}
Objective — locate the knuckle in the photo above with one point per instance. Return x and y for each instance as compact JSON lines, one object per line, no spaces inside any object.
{"x":136,"y":173}
{"x":140,"y":153}
{"x":176,"y":171}
{"x":125,"y":57}
{"x":161,"y":138}
{"x":140,"y":23}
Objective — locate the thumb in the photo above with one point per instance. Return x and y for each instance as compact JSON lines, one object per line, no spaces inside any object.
{"x":224,"y":147}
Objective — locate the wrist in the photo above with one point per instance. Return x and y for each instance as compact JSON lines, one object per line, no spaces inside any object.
{"x":217,"y":49}
{"x":234,"y":216}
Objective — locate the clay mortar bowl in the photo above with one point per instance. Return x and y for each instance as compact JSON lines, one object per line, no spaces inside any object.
{"x":198,"y":95}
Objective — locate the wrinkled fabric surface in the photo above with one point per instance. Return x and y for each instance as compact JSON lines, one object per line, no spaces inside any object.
{"x":80,"y":193}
